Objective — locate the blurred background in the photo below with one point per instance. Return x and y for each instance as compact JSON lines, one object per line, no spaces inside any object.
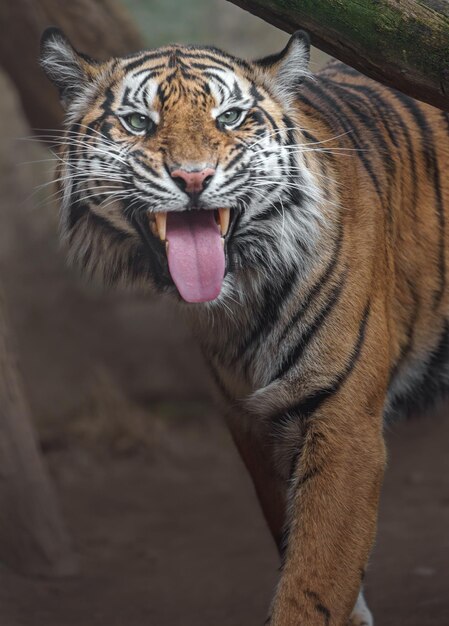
{"x":159,"y":509}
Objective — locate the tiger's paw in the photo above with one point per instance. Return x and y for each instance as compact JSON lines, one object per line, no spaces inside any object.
{"x":361,"y":615}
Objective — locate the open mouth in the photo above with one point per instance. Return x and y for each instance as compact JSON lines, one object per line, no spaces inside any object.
{"x":194,"y":243}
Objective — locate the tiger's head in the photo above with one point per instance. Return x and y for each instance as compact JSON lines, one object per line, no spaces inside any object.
{"x":180,"y":168}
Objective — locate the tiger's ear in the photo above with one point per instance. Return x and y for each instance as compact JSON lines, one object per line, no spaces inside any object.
{"x":70,"y":71}
{"x":290,"y":66}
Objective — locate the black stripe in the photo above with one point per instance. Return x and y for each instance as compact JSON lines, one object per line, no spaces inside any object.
{"x":364,"y":111}
{"x":235,"y":159}
{"x":335,"y":110}
{"x":269,"y":118}
{"x":140,"y":156}
{"x":308,"y":135}
{"x":426,"y":133}
{"x":275,"y":208}
{"x":236,"y":179}
{"x":315,"y":471}
{"x":205,"y":66}
{"x":162,"y":93}
{"x":106,"y":105}
{"x":358,"y":107}
{"x":210,"y":52}
{"x":296,"y":352}
{"x":220,"y":59}
{"x":269,"y":310}
{"x":148,"y":56}
{"x":236,"y":91}
{"x":387,"y":109}
{"x":156,"y":69}
{"x":319,"y":606}
{"x":312,"y":443}
{"x":317,"y":287}
{"x":106,"y":226}
{"x":255,"y":93}
{"x":222,"y":82}
{"x":308,"y":405}
{"x":383,"y":109}
{"x":139,"y":181}
{"x":433,"y":171}
{"x":141,"y":86}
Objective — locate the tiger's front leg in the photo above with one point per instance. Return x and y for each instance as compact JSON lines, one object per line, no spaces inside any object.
{"x":334,"y":485}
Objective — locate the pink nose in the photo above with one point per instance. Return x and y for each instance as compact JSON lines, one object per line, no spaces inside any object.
{"x":193,"y":182}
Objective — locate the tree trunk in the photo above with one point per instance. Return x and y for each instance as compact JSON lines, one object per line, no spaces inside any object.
{"x":100,"y":28}
{"x":33,"y":539}
{"x":402,"y":43}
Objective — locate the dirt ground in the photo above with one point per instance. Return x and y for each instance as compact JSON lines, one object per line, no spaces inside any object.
{"x":172,"y":534}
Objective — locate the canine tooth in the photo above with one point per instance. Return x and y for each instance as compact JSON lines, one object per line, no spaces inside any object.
{"x":224,"y":216}
{"x":153,"y":227}
{"x":161,"y":224}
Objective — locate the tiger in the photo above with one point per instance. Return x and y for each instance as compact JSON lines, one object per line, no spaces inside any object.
{"x":299,"y":222}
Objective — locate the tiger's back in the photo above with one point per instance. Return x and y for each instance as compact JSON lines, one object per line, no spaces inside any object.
{"x":401,"y":150}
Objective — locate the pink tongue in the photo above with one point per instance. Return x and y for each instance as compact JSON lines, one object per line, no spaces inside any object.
{"x":195,"y":254}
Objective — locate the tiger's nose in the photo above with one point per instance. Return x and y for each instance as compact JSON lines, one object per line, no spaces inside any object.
{"x":193,"y":182}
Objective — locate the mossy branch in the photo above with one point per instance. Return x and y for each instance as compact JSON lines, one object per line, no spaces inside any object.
{"x":402,"y":43}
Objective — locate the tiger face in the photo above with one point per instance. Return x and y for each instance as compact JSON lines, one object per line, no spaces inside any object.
{"x":181,"y":168}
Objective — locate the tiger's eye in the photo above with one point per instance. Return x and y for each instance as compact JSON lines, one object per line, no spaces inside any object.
{"x":229,"y":117}
{"x":138,"y":122}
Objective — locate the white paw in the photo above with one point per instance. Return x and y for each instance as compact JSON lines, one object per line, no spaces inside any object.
{"x":361,"y":615}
